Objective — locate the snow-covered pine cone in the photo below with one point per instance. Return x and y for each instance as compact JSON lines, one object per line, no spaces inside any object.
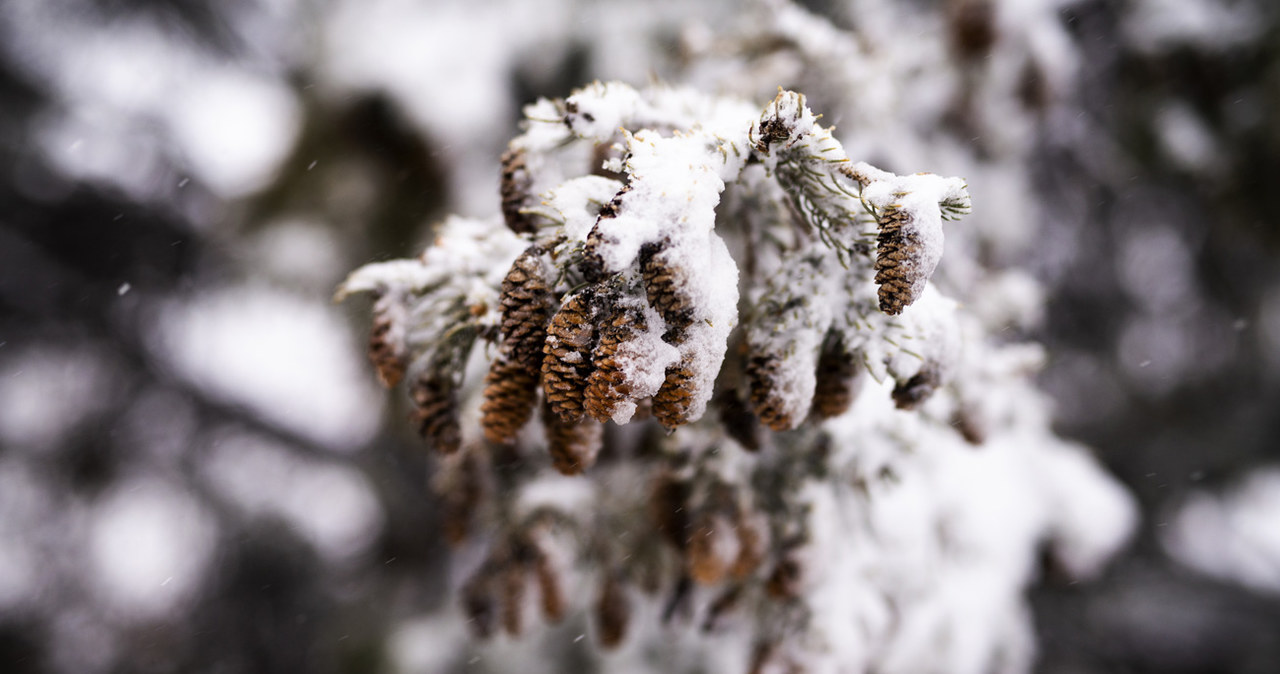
{"x":515,"y":581}
{"x":613,"y":610}
{"x":435,"y":398}
{"x":838,"y":379}
{"x":913,"y":392}
{"x":592,"y":265}
{"x":662,"y":285}
{"x":527,"y":306}
{"x":566,"y":361}
{"x":573,"y":444}
{"x":510,"y":395}
{"x":672,"y":401}
{"x":387,"y":350}
{"x":516,"y":185}
{"x":898,"y":250}
{"x":763,"y":371}
{"x":607,"y":385}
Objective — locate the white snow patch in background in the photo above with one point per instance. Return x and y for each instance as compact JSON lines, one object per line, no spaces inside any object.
{"x":46,"y":392}
{"x":287,"y":357}
{"x":331,"y":506}
{"x":235,"y":128}
{"x":148,"y":547}
{"x":1232,"y":536}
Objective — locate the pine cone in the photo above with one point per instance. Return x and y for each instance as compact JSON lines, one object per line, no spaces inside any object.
{"x":672,"y":402}
{"x":897,"y":253}
{"x":662,"y":285}
{"x":607,"y":386}
{"x":510,"y":395}
{"x":712,"y":548}
{"x":566,"y":362}
{"x":573,"y":445}
{"x":386,"y":340}
{"x":613,"y":611}
{"x":751,"y":531}
{"x":480,"y":601}
{"x":461,"y":489}
{"x":592,"y":265}
{"x":737,"y":419}
{"x":515,"y":575}
{"x":668,"y":507}
{"x":527,"y":305}
{"x":838,"y":379}
{"x":915,"y":391}
{"x":515,"y":187}
{"x":550,"y":585}
{"x":763,"y":372}
{"x":435,"y":400}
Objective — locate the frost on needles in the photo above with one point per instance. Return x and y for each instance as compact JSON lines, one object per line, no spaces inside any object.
{"x":727,"y":276}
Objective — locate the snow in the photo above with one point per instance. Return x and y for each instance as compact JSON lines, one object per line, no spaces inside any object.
{"x":1232,"y":535}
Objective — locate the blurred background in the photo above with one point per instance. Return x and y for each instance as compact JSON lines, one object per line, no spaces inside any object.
{"x":198,"y":471}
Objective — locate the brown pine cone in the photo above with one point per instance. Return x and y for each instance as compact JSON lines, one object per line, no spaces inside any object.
{"x":838,"y":379}
{"x":386,"y":348}
{"x":435,"y":400}
{"x":592,"y":265}
{"x":897,"y":253}
{"x":527,"y":305}
{"x":510,"y":395}
{"x":573,"y":445}
{"x":480,"y":601}
{"x":737,"y":419}
{"x":762,"y":371}
{"x":613,"y":610}
{"x":752,"y":546}
{"x":550,"y":585}
{"x":607,"y":387}
{"x":663,"y":283}
{"x":566,"y":361}
{"x":712,"y":548}
{"x":516,"y":185}
{"x":461,"y":491}
{"x":913,"y":392}
{"x":669,"y":509}
{"x":671,"y":403}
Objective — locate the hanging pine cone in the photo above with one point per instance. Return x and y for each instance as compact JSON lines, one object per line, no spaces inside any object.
{"x":898,"y":249}
{"x":550,"y":585}
{"x":712,"y":548}
{"x":566,"y":362}
{"x":669,"y":509}
{"x":672,"y":402}
{"x":838,"y":379}
{"x":461,"y":488}
{"x":607,"y":386}
{"x":573,"y":444}
{"x":435,"y":399}
{"x":763,"y":371}
{"x":737,"y":419}
{"x":386,"y":340}
{"x":510,"y":395}
{"x":613,"y":610}
{"x":514,"y":577}
{"x":592,"y":264}
{"x":480,"y":601}
{"x":527,"y":305}
{"x":913,"y":392}
{"x":751,"y":531}
{"x":516,"y":186}
{"x":663,"y":283}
